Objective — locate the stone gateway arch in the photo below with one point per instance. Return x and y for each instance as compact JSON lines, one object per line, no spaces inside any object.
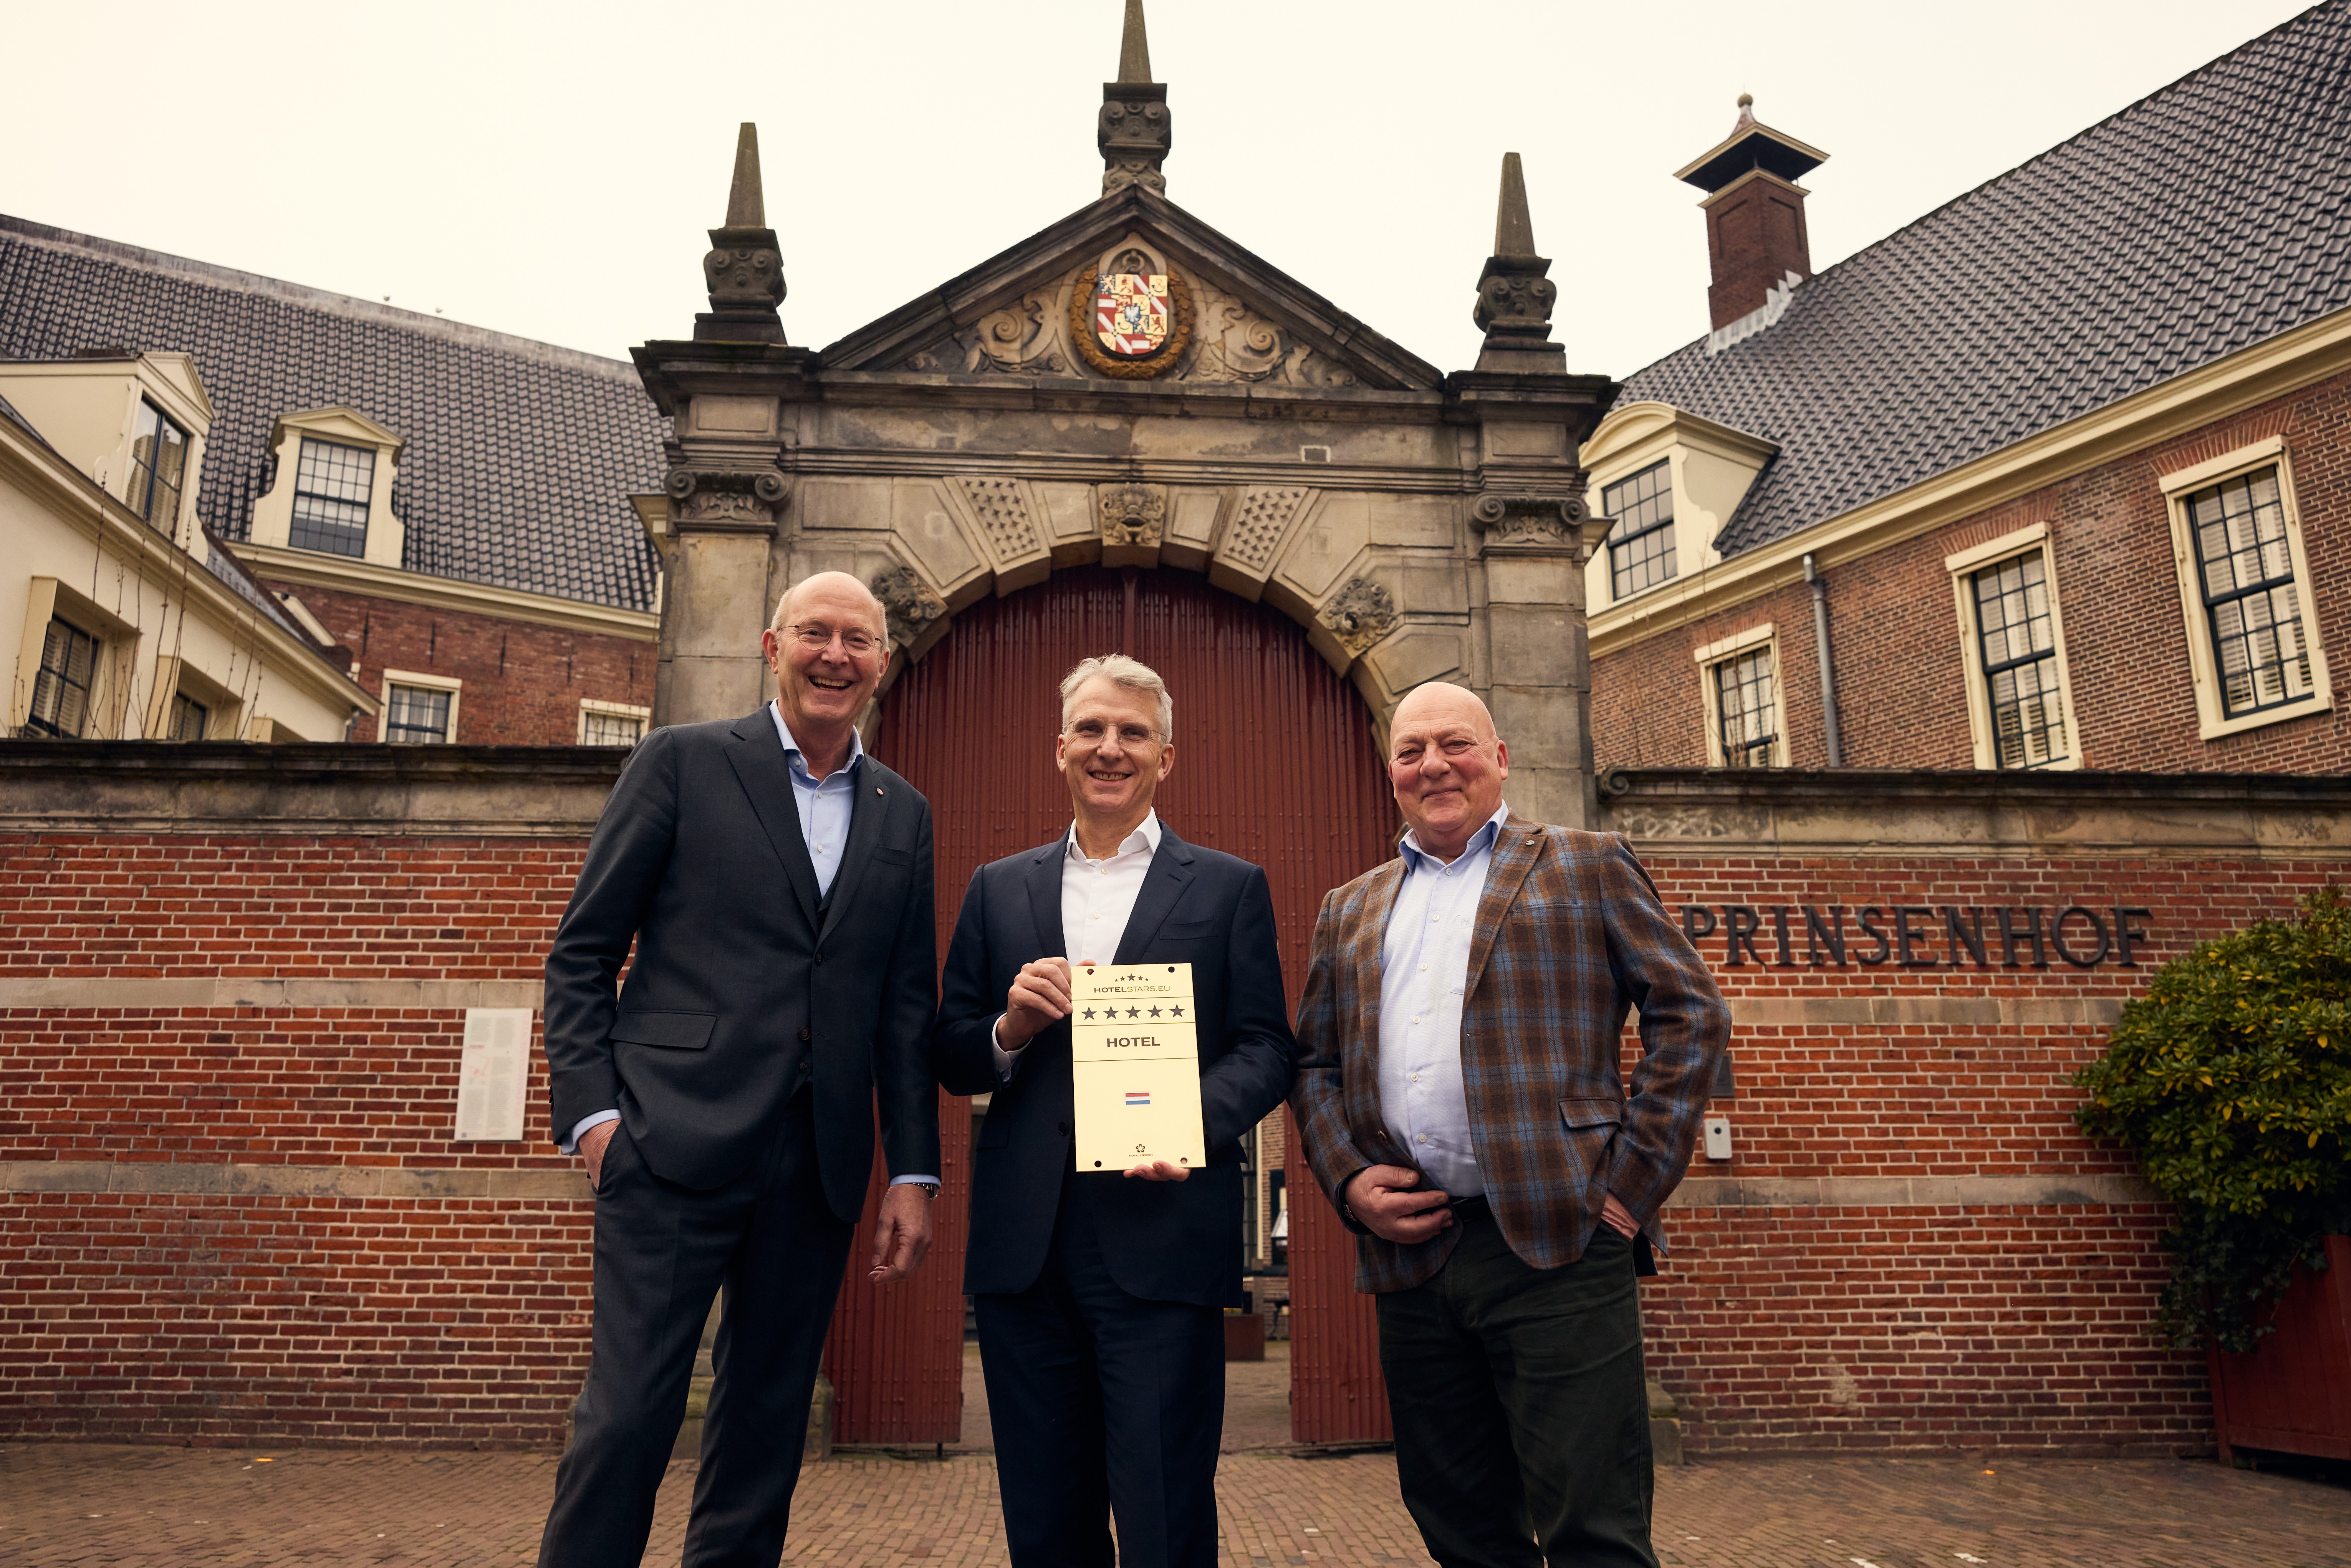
{"x":1130,"y":431}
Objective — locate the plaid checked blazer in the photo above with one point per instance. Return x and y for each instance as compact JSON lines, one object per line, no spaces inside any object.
{"x":1569,"y":935}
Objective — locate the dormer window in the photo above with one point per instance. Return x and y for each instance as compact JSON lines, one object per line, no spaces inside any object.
{"x":332,"y":486}
{"x":1641,"y":546}
{"x":337,"y":469}
{"x":159,"y":467}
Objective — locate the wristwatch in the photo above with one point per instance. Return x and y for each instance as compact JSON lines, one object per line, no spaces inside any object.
{"x":930,"y":1189}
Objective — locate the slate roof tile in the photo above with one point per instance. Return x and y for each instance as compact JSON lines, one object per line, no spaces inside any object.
{"x":520,"y":457}
{"x":2196,"y":223}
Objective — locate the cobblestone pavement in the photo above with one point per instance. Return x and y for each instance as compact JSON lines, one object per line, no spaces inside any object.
{"x":89,"y":1505}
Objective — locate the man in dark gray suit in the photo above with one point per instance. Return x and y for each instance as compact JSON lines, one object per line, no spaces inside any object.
{"x":776,"y":883}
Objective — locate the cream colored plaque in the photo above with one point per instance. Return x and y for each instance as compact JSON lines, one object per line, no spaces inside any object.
{"x":1134,"y":1063}
{"x":492,"y":1073}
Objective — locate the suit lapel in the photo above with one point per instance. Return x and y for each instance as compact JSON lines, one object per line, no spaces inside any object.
{"x":869,"y":803}
{"x":1044,"y":880}
{"x":1370,"y":941}
{"x":1516,"y":850}
{"x":756,"y":754}
{"x":1163,"y":884}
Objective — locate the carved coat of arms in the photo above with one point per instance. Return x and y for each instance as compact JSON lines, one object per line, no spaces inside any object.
{"x":1128,"y":321}
{"x":1132,"y":314}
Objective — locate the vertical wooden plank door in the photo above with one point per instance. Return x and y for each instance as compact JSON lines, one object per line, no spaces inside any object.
{"x":1274,"y":762}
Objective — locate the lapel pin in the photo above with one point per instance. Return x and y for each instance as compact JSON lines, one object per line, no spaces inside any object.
{"x":877,"y":789}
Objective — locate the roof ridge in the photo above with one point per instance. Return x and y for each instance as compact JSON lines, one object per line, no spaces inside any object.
{"x":2046,"y":153}
{"x":301,"y":294}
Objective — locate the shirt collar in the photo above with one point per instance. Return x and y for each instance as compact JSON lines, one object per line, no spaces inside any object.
{"x":793,"y":748}
{"x":1146,"y":837}
{"x":1479,"y":841}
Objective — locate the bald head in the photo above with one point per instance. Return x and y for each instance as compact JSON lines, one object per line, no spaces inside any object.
{"x":834,"y":590}
{"x":1441,"y":700}
{"x":1446,"y":765}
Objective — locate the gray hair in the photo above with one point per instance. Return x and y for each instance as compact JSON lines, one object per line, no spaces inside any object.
{"x":1132,"y":674}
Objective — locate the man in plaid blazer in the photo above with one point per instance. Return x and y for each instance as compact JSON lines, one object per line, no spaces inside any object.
{"x":1459,"y":1096}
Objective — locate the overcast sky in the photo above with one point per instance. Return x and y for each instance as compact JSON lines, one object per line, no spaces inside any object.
{"x":546,"y":170}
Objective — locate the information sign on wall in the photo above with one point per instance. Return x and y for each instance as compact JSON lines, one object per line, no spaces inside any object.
{"x":493,"y":1074}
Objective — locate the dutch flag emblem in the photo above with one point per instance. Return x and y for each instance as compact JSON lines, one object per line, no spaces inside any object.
{"x":1138,"y":1096}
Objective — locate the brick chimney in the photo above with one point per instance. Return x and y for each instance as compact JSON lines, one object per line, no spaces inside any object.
{"x":1754,"y":213}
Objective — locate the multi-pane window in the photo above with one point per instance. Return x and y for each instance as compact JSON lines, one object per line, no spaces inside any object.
{"x":1641,"y":546}
{"x":188,"y":720}
{"x":609,"y":728}
{"x":2017,"y":637}
{"x":159,"y":467}
{"x":61,"y":689}
{"x":1747,"y":710}
{"x":2251,"y":606}
{"x":331,"y":487}
{"x":416,"y":715}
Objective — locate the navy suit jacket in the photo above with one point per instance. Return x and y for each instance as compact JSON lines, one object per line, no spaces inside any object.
{"x":1166,"y":1241}
{"x":745,"y":986}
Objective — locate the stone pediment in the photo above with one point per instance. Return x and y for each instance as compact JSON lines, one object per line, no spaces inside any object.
{"x":1234,"y":319}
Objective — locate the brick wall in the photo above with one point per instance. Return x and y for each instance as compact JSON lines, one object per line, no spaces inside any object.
{"x":286,"y":1315}
{"x":523,"y":682}
{"x":231,"y":1209}
{"x":1901,"y":682}
{"x":1930,"y":1325}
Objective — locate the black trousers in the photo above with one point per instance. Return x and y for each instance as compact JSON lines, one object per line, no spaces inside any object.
{"x":663,"y":1251}
{"x":1102,"y":1403}
{"x":1521,"y":1409}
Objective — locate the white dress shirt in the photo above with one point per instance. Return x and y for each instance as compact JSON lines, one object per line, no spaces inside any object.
{"x":1097,"y":900}
{"x":825,"y":807}
{"x":1423,"y":970}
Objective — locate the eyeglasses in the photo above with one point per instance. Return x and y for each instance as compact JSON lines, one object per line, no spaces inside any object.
{"x":854,"y":642}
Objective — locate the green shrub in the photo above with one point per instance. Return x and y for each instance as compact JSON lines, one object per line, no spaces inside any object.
{"x":2230,"y":1081}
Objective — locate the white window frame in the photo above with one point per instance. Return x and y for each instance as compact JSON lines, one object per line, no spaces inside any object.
{"x":1710,"y":658}
{"x":1963,"y":568}
{"x":643,"y":716}
{"x":2213,"y":717}
{"x":416,"y":678}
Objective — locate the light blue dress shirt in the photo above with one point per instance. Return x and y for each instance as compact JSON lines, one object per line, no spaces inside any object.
{"x":825,"y":806}
{"x":1423,"y":970}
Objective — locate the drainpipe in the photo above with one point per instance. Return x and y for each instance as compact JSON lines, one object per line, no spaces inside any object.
{"x":1828,"y":664}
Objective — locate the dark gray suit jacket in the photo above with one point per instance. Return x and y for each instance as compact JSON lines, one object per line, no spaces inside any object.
{"x":743,"y":988}
{"x":1164,"y":1241}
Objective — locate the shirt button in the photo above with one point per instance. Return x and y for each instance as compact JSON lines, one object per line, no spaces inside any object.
{"x":1424,"y":1138}
{"x":1415,"y":1018}
{"x":1424,"y":968}
{"x":1415,"y":1076}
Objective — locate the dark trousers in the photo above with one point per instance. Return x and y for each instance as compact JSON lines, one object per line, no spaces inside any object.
{"x":663,"y":1251}
{"x":1521,"y":1410}
{"x":1102,"y":1403}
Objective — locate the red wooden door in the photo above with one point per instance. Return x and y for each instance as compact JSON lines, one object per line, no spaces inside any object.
{"x":1274,"y":763}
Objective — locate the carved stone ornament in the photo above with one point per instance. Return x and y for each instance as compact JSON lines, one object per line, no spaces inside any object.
{"x":1130,"y":325}
{"x":1134,"y":134}
{"x":744,"y":269}
{"x":1237,"y":344}
{"x":908,"y":602}
{"x":718,"y":495}
{"x":1530,"y":522}
{"x":1133,"y":514}
{"x":1359,"y":615}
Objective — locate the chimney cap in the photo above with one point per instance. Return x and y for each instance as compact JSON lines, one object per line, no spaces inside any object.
{"x":1752,"y":144}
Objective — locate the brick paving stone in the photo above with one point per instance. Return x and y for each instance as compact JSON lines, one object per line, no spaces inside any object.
{"x":91,"y":1506}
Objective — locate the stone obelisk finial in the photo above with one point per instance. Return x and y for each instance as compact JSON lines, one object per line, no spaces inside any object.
{"x":1514,"y":297}
{"x":745,"y":267}
{"x":1133,"y":131}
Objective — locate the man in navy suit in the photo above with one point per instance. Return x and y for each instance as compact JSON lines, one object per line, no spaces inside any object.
{"x":1100,"y":1296}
